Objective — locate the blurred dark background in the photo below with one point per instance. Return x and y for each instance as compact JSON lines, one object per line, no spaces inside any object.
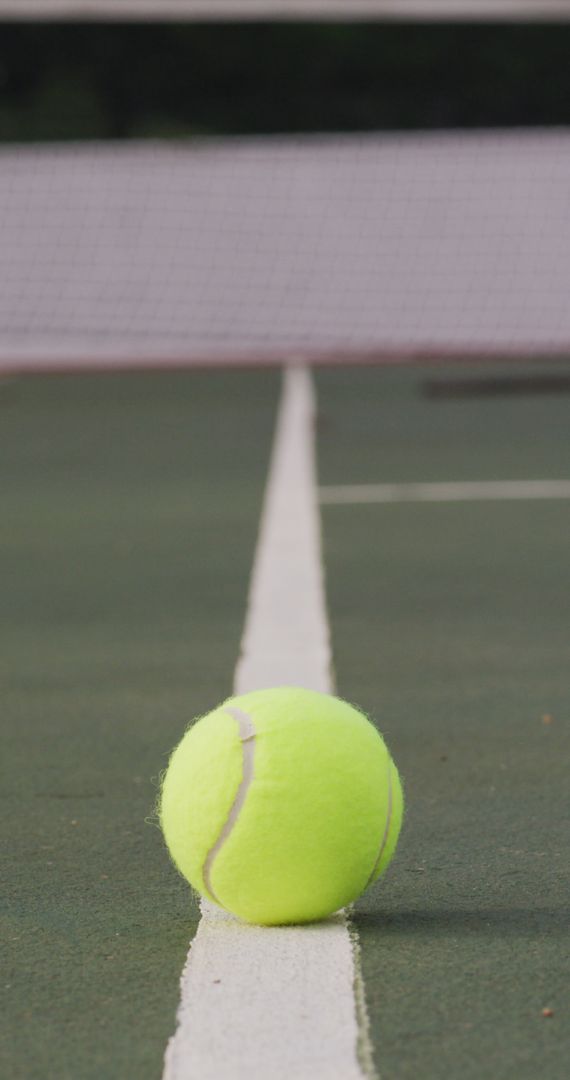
{"x":85,"y":81}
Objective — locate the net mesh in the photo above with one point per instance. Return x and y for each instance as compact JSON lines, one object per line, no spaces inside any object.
{"x":380,"y":245}
{"x":268,"y":246}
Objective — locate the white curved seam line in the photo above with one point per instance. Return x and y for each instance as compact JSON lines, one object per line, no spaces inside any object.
{"x":386,"y":827}
{"x":247,"y":735}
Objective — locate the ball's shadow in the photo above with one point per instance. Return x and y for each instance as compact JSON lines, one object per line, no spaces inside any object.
{"x":443,"y":921}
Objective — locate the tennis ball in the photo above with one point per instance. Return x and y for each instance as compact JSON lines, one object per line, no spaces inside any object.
{"x":281,"y":806}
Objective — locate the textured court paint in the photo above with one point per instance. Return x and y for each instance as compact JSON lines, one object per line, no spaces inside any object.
{"x":451,"y":624}
{"x":252,"y":1007}
{"x":352,"y":494}
{"x":277,"y":1002}
{"x":286,"y":635}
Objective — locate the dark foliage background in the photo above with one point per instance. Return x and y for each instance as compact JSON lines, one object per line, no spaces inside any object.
{"x":69,"y":81}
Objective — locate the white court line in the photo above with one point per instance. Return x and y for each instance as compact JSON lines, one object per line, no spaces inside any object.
{"x":469,"y":491}
{"x":277,"y":1003}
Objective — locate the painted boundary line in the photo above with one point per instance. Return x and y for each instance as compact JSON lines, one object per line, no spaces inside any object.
{"x":469,"y":491}
{"x":277,"y":1002}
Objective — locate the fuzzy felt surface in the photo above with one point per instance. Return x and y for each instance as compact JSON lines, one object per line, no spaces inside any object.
{"x":319,"y":819}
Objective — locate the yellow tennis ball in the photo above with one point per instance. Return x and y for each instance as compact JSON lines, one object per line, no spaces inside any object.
{"x":281,"y":806}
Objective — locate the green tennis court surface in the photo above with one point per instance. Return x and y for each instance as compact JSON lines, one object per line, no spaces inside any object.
{"x":130,"y":509}
{"x":451,"y":625}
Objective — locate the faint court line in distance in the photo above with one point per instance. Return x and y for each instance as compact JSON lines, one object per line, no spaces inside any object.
{"x":444,"y":492}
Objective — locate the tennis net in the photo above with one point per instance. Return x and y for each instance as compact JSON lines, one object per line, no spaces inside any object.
{"x":211,"y":193}
{"x":328,"y":247}
{"x":284,"y":9}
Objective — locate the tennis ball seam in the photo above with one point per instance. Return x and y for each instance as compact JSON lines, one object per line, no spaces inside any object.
{"x":247,"y":735}
{"x":384,"y":840}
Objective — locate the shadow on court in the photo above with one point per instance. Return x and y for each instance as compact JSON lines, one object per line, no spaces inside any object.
{"x":485,"y":922}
